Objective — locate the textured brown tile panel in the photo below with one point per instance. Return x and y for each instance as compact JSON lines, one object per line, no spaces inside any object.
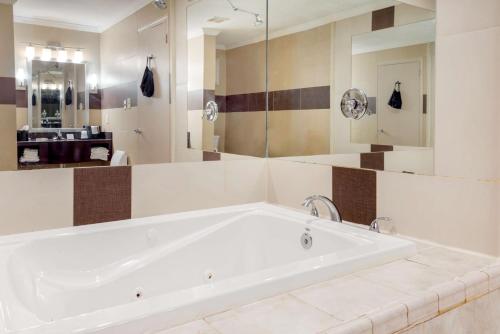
{"x":113,"y":97}
{"x":315,"y":98}
{"x":286,"y":99}
{"x":211,"y":156}
{"x":237,"y":103}
{"x":95,"y":100}
{"x":21,"y":98}
{"x":372,"y":103}
{"x":381,"y":148}
{"x":372,"y":160}
{"x":354,"y":193}
{"x":102,"y":194}
{"x":383,"y":18}
{"x":221,"y":103}
{"x":7,"y":90}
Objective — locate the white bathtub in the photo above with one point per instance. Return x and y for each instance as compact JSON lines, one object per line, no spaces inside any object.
{"x":142,"y":275}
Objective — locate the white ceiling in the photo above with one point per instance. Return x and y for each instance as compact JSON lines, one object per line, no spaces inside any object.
{"x":86,"y":15}
{"x":285,"y":16}
{"x":406,"y":35}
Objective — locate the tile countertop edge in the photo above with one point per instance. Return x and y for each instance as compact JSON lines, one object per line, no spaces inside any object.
{"x":425,"y":306}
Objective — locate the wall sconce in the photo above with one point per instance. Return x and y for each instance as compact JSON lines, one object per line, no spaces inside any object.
{"x":21,"y":77}
{"x":62,"y":55}
{"x":46,"y":54}
{"x":30,"y":52}
{"x":78,"y":56}
{"x":92,"y":80}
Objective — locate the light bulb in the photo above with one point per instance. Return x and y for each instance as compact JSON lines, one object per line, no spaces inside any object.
{"x":62,"y":56}
{"x":46,"y":54}
{"x":78,"y":56}
{"x":30,"y":52}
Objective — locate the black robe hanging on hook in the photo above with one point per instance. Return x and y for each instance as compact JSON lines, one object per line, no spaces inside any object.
{"x":148,"y":83}
{"x":396,"y":101}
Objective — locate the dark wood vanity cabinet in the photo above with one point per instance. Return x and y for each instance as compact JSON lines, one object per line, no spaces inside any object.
{"x":52,"y":152}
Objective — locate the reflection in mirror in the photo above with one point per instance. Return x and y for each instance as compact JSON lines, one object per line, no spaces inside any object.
{"x":226,"y":64}
{"x":57,"y":95}
{"x":371,"y":45}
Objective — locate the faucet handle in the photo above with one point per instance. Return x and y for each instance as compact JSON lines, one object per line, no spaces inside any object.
{"x":375,"y":224}
{"x":308,"y":203}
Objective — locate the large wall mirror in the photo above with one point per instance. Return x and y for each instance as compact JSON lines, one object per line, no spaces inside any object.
{"x":316,"y":51}
{"x":57,"y":95}
{"x":226,"y":68}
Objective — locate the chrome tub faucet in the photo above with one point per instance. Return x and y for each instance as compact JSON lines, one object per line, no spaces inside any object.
{"x":334,"y":212}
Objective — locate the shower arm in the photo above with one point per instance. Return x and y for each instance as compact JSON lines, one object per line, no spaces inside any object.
{"x":237,"y":9}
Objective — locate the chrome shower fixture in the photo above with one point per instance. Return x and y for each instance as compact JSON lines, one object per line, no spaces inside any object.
{"x":258,"y":18}
{"x":160,"y":4}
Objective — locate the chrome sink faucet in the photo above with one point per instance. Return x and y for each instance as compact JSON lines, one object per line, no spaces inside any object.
{"x":334,"y":212}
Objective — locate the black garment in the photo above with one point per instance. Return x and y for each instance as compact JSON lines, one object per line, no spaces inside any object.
{"x":395,"y":101}
{"x":68,"y":97}
{"x":148,"y":83}
{"x":33,"y":100}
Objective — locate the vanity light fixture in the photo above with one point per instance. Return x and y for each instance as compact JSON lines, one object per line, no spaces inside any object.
{"x":62,"y":55}
{"x":30,"y":52}
{"x":46,"y":54}
{"x":78,"y":56}
{"x":21,"y":77}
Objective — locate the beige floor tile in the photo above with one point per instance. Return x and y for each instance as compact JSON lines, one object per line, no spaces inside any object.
{"x":282,"y":314}
{"x":406,"y":276}
{"x":348,"y":297}
{"x":454,"y":262}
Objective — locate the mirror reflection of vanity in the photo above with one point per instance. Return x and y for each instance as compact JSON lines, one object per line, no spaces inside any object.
{"x":58,"y":132}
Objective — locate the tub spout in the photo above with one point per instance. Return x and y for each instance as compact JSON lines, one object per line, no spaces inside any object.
{"x":332,"y":208}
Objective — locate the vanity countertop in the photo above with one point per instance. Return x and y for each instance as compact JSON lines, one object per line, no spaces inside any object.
{"x":401,"y":296}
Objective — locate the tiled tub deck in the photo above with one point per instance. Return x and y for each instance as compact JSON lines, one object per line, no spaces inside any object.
{"x":437,"y":291}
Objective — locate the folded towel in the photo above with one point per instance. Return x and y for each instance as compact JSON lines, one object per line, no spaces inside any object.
{"x":29,"y":155}
{"x":99,"y":153}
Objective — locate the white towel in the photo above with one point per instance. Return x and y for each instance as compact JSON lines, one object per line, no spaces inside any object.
{"x":29,"y":155}
{"x":99,"y":153}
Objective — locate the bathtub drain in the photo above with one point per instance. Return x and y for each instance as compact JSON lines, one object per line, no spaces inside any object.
{"x":306,"y":240}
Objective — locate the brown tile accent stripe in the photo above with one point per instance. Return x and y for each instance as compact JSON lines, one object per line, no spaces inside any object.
{"x":315,"y":98}
{"x":291,"y":99}
{"x":112,"y":97}
{"x":7,"y":90}
{"x":21,"y":98}
{"x":381,"y":148}
{"x":354,"y":193}
{"x":372,"y":160}
{"x":383,"y":18}
{"x":95,"y":100}
{"x":102,"y":194}
{"x":211,"y":156}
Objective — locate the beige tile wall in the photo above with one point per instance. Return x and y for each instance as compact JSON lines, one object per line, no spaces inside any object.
{"x":36,"y":200}
{"x":246,"y":133}
{"x":468,"y":66}
{"x":7,"y":32}
{"x":8,"y":149}
{"x":166,"y":188}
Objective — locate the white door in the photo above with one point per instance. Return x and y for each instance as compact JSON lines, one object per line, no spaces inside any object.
{"x":154,"y":112}
{"x":400,"y":126}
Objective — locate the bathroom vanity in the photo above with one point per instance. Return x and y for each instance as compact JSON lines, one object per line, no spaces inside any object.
{"x":64,"y":151}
